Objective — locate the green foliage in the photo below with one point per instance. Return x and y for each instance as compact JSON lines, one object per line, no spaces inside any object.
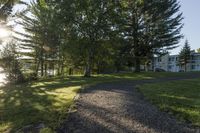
{"x":11,"y":64}
{"x":198,"y":50}
{"x":91,"y":25}
{"x":93,"y":35}
{"x":144,"y":25}
{"x":6,"y":7}
{"x":185,"y":55}
{"x":40,"y":37}
{"x":180,"y":98}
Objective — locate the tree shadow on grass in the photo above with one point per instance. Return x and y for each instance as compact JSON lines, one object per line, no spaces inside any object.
{"x":33,"y":103}
{"x":47,"y":102}
{"x":123,"y":110}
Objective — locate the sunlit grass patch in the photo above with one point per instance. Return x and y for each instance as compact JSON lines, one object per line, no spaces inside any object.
{"x":6,"y":126}
{"x":47,"y":101}
{"x":180,"y":98}
{"x":34,"y":103}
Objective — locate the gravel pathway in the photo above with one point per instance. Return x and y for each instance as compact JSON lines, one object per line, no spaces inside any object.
{"x":120,"y":108}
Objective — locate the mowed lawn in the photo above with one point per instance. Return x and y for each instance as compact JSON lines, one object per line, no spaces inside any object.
{"x":180,"y":98}
{"x":47,"y":101}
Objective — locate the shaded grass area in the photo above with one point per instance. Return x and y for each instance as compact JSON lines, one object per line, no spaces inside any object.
{"x":180,"y":98}
{"x":47,"y":101}
{"x":34,"y":103}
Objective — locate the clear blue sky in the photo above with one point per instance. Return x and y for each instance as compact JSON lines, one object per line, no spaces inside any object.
{"x":191,"y":29}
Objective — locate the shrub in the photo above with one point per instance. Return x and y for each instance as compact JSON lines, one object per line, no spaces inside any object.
{"x":11,"y":64}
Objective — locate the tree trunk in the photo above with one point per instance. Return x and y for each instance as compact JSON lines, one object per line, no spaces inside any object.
{"x":42,"y":62}
{"x":62,"y":68}
{"x":185,"y":67}
{"x":88,"y":67}
{"x":87,"y":72}
{"x":37,"y":68}
{"x":70,"y":71}
{"x":42,"y":68}
{"x":137,"y":64}
{"x":45,"y":69}
{"x":58,"y":68}
{"x":53,"y":69}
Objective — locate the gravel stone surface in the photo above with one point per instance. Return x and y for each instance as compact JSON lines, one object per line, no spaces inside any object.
{"x":120,"y":108}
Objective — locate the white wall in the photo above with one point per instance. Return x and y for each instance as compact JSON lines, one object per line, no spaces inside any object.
{"x":170,"y":63}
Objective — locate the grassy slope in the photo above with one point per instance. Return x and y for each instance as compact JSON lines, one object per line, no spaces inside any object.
{"x":47,"y":100}
{"x":181,"y":98}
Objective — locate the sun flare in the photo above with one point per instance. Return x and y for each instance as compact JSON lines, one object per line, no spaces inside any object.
{"x":4,"y":33}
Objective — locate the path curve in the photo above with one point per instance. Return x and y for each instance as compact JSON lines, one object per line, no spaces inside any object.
{"x":120,"y":108}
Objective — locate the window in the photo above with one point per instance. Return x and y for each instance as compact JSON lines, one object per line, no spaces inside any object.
{"x":193,"y":67}
{"x":159,"y":60}
{"x":170,"y":67}
{"x":192,"y":57}
{"x":172,"y":58}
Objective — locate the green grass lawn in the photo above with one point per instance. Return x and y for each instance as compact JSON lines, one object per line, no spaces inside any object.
{"x":180,"y":98}
{"x":47,"y":101}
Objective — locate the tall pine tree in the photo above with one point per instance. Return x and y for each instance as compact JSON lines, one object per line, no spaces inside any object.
{"x":147,"y":25}
{"x":6,"y":8}
{"x":185,"y":55}
{"x":41,"y":36}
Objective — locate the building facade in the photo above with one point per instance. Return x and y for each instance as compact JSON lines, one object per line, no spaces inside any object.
{"x":170,"y":63}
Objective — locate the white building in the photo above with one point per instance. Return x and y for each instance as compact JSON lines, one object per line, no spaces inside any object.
{"x":170,"y":63}
{"x":195,"y":62}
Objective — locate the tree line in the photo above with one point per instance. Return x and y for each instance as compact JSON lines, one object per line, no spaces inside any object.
{"x":97,"y":36}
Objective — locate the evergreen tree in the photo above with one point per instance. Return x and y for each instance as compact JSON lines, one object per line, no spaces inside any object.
{"x":41,"y":37}
{"x":185,"y":55}
{"x":96,"y":34}
{"x":147,"y":25}
{"x":10,"y":62}
{"x":6,"y":7}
